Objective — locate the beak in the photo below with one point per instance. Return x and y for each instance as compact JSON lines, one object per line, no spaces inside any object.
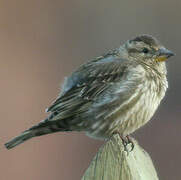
{"x":163,"y":54}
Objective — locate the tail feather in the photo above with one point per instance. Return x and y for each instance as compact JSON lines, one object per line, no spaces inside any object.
{"x":44,"y":127}
{"x":19,"y":139}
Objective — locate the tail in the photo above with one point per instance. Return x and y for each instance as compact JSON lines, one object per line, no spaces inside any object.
{"x":19,"y":139}
{"x":44,"y":127}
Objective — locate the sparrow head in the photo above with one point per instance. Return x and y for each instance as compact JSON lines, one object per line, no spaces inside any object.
{"x":148,"y":49}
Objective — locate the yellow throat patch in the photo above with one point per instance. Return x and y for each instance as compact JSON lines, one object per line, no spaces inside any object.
{"x":161,"y":58}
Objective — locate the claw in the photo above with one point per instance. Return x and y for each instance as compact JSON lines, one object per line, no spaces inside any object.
{"x":126,"y":140}
{"x":130,"y":142}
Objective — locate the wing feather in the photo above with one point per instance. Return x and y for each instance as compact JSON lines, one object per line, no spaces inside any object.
{"x":95,"y":79}
{"x":91,"y":89}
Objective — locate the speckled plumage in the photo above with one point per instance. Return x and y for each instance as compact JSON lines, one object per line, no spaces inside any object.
{"x":117,"y":92}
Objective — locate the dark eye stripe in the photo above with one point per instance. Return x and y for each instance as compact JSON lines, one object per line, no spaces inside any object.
{"x":133,"y":50}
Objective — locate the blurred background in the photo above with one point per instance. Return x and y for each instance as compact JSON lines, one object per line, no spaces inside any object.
{"x":42,"y":41}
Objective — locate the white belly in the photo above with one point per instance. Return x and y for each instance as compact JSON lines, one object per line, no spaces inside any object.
{"x":133,"y":113}
{"x":142,"y":111}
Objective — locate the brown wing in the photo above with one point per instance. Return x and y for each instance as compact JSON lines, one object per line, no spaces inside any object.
{"x":92,"y":93}
{"x":86,"y":84}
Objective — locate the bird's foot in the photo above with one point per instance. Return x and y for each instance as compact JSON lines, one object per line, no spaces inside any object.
{"x":126,"y":140}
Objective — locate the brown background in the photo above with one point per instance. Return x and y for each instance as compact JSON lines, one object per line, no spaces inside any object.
{"x":41,"y":41}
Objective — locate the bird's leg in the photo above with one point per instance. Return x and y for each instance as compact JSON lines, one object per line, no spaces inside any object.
{"x":126,"y":140}
{"x":125,"y":143}
{"x":129,"y":140}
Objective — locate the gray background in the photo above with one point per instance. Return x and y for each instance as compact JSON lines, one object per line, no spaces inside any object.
{"x":41,"y":41}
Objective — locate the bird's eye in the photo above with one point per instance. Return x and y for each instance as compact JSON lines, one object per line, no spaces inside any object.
{"x":145,"y":50}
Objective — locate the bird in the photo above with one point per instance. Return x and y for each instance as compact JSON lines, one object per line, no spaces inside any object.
{"x":117,"y":92}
